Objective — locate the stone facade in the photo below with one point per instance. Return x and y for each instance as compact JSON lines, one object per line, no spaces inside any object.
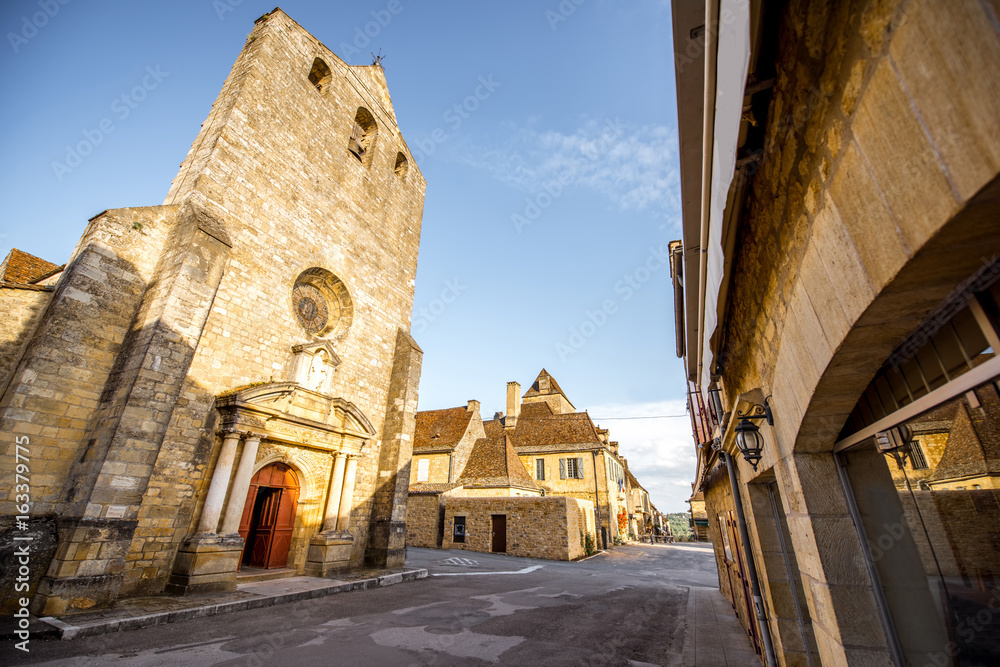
{"x":536,"y":527}
{"x":869,"y":198}
{"x":259,"y":315}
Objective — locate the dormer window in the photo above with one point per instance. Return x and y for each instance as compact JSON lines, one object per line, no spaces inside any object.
{"x":362,"y":139}
{"x":320,"y":75}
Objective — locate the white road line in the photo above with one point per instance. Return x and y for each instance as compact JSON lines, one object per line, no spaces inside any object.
{"x":473,"y":574}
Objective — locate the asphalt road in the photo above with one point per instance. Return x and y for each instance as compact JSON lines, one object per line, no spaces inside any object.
{"x":624,"y":607}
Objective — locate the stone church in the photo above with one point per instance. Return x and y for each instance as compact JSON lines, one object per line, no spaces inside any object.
{"x":227,"y":380}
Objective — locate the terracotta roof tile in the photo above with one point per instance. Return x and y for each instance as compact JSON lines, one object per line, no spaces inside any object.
{"x":536,"y":429}
{"x":21,"y":267}
{"x":429,"y":489}
{"x":494,"y":462}
{"x":440,"y":428}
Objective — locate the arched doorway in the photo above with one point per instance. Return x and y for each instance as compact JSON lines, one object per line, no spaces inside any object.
{"x":269,"y":516}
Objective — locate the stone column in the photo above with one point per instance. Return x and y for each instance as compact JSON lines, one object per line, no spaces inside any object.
{"x":216,"y":497}
{"x":336,"y":488}
{"x":330,"y":551}
{"x":207,"y":562}
{"x":238,"y":496}
{"x":347,"y":494}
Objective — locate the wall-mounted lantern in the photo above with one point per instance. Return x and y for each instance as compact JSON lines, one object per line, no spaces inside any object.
{"x":748,"y":437}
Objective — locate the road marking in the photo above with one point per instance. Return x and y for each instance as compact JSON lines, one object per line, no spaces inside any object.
{"x":461,"y":562}
{"x":471,"y":574}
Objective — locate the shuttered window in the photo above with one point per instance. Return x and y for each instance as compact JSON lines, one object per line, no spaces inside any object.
{"x":571,"y":468}
{"x":423,"y":469}
{"x":540,"y":469}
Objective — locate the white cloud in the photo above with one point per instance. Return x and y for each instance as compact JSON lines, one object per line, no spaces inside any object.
{"x":660,"y":452}
{"x":635,"y":166}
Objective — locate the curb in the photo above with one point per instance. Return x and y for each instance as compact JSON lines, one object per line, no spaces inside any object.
{"x":70,"y":631}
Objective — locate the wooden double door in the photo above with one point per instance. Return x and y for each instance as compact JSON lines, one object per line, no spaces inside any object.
{"x":269,"y":516}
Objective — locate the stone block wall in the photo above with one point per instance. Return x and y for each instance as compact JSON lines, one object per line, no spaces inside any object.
{"x":437,"y":472}
{"x":876,"y":195}
{"x":422,"y":520}
{"x":162,"y":309}
{"x":536,"y":527}
{"x":22,"y":309}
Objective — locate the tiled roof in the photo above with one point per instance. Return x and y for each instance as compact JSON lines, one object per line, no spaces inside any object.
{"x":973,"y":446}
{"x":535,"y":411}
{"x":554,"y":387}
{"x":493,"y":462}
{"x":428,"y":489}
{"x":21,"y":267}
{"x":554,"y":432}
{"x":440,"y":428}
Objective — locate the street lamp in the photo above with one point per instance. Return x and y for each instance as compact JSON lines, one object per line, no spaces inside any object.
{"x":748,"y":437}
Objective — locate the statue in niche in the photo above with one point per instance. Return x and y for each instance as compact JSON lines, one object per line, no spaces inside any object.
{"x":313,"y":366}
{"x":319,"y":371}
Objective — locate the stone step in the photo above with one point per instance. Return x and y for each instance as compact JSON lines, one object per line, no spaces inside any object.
{"x":253,"y":574}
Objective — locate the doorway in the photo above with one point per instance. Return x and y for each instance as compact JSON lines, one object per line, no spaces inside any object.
{"x":269,"y":517}
{"x":499,"y":534}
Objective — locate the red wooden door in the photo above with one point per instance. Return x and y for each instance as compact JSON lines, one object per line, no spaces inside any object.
{"x":269,"y":516}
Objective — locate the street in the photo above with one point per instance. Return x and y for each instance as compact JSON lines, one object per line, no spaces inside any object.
{"x":628,"y":606}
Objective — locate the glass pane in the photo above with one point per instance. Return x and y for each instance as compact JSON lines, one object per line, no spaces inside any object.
{"x":931,"y":514}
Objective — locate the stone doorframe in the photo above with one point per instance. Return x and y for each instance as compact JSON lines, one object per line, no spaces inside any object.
{"x":283,"y":413}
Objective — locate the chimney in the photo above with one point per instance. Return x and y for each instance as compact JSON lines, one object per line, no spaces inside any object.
{"x":513,"y":404}
{"x":473,"y":407}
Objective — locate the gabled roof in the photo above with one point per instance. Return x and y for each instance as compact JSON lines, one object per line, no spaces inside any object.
{"x":493,"y":462}
{"x":21,"y":267}
{"x":535,"y":388}
{"x":536,"y":428}
{"x":436,"y":429}
{"x":973,"y":446}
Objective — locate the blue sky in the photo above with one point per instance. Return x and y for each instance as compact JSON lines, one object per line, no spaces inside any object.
{"x":549,"y":203}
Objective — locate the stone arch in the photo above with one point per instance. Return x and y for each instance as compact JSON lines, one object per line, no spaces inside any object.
{"x":301,"y":469}
{"x":320,"y":75}
{"x":363,"y":135}
{"x":848,"y":339}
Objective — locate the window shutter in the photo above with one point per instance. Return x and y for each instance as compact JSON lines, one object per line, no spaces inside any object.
{"x":579,"y":467}
{"x":562,"y":468}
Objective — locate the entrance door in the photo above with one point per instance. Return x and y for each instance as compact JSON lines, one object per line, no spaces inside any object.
{"x":269,"y":516}
{"x":499,"y":534}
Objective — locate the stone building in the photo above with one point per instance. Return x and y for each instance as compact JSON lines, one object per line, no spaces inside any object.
{"x":227,"y":378}
{"x":564,"y":451}
{"x":442,"y":442}
{"x":837,"y":300}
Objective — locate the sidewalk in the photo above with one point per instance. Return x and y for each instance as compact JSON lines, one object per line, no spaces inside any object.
{"x":134,"y":613}
{"x":714,"y":636}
